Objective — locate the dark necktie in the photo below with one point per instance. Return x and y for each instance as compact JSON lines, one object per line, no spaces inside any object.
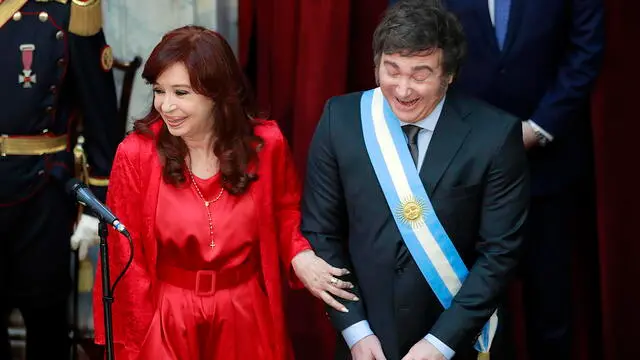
{"x":412,"y":136}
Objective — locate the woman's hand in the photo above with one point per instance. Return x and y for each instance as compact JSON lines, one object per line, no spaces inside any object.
{"x":320,"y":279}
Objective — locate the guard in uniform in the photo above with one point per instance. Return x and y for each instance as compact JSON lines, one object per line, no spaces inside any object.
{"x":55,"y":71}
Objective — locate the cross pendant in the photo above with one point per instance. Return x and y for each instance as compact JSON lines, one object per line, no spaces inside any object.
{"x":212,"y":245}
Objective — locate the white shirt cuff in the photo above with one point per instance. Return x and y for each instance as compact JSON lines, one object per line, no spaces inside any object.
{"x":442,"y":347}
{"x":542,"y":131}
{"x":356,"y":332}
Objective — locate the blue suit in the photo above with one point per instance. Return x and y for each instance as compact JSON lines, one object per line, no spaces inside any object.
{"x":551,"y":57}
{"x":544,"y":73}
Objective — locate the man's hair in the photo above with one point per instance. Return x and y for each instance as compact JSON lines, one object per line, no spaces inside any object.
{"x":410,"y":27}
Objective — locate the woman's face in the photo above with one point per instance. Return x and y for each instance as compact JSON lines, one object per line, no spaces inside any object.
{"x":186,"y":113}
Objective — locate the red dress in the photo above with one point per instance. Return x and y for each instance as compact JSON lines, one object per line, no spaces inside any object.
{"x":227,"y":319}
{"x":134,"y":195}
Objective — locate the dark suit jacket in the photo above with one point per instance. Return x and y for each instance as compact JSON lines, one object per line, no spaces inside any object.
{"x":475,"y":173}
{"x":545,"y":72}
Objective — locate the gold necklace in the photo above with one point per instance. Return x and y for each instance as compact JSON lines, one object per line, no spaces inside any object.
{"x":212,"y":244}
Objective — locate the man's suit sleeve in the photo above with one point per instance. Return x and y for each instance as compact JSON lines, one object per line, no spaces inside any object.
{"x":324,"y":216}
{"x":577,"y":72}
{"x":504,"y":210}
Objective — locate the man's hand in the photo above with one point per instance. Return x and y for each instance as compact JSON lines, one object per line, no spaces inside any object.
{"x":320,"y":279}
{"x":85,"y":235}
{"x":424,"y":350}
{"x":528,"y":136}
{"x":368,"y":348}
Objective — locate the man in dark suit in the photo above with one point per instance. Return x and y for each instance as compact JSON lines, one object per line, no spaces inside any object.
{"x":538,"y":60}
{"x":421,"y":193}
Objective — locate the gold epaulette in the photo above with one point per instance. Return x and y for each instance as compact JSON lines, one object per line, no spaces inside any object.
{"x":8,"y":8}
{"x":85,"y":18}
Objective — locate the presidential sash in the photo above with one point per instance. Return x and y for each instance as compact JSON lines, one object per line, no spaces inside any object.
{"x":422,"y":232}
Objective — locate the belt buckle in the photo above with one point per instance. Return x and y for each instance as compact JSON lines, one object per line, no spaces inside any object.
{"x":3,"y":138}
{"x":199,"y":280}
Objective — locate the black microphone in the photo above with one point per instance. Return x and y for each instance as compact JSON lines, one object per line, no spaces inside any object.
{"x":84,"y":196}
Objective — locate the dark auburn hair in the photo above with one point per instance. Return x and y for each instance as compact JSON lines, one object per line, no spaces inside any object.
{"x":215,"y":73}
{"x":415,"y":26}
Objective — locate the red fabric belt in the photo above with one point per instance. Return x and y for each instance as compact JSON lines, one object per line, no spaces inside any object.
{"x":206,"y":282}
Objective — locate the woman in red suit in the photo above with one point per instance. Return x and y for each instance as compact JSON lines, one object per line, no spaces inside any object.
{"x":210,"y":197}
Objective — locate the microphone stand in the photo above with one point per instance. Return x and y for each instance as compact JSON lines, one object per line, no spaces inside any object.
{"x":107,"y":296}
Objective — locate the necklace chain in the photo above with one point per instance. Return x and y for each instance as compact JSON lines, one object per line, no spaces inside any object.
{"x":212,"y":244}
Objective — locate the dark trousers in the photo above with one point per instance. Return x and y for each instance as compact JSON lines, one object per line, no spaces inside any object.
{"x":35,"y":271}
{"x":557,"y":225}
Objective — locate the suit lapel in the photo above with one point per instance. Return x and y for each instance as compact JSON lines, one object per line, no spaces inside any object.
{"x":487,"y":30}
{"x":447,"y":138}
{"x":481,"y":9}
{"x":515,"y":23}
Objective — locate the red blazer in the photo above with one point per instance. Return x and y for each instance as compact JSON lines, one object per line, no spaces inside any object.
{"x":133,"y":196}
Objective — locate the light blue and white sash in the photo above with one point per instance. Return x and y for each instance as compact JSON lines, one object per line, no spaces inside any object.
{"x":426,"y":239}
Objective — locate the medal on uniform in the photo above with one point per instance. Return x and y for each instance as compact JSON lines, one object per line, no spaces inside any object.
{"x":27,"y":78}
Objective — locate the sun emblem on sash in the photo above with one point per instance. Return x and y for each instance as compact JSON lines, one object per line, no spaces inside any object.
{"x":411,"y":211}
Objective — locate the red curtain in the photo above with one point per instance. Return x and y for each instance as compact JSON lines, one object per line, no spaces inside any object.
{"x":301,"y":56}
{"x":364,"y":18}
{"x":297,"y":54}
{"x":321,"y":66}
{"x":616,"y":137}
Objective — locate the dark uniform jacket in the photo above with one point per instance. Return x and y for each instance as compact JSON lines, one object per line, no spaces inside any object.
{"x":55,"y":71}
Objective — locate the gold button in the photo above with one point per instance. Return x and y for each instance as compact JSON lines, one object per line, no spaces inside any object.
{"x":43,"y":16}
{"x":17,"y":16}
{"x":60,"y":35}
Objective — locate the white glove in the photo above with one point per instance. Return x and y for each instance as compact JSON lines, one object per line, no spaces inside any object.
{"x":85,"y":235}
